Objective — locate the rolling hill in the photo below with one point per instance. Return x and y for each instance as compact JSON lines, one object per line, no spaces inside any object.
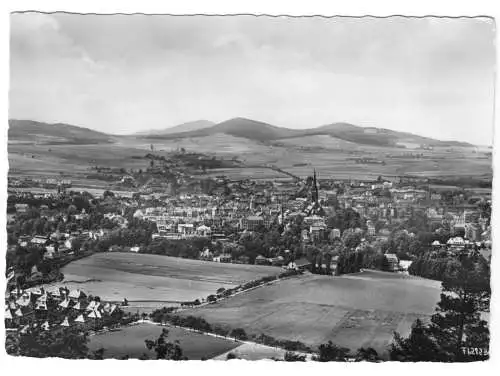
{"x":377,"y":136}
{"x":264,"y":132}
{"x":36,"y":147}
{"x":28,"y":131}
{"x":185,"y":127}
{"x":238,"y":127}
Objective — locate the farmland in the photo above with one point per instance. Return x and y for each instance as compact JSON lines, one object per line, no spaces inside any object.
{"x":152,"y":280}
{"x":329,"y":155}
{"x":353,"y":311}
{"x":26,"y":159}
{"x":130,"y":341}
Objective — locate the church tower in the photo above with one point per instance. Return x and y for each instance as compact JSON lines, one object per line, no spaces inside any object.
{"x":315,"y":194}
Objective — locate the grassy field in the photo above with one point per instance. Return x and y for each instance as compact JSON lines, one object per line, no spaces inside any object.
{"x":73,"y":159}
{"x":352,"y":311}
{"x":253,"y":351}
{"x":328,"y":155}
{"x":130,"y":341}
{"x":152,"y":280}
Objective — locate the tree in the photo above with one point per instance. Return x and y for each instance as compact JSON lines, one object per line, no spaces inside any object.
{"x":368,"y":354}
{"x":221,"y":331}
{"x":38,"y":343}
{"x":351,"y":239}
{"x":165,"y":349}
{"x":239,"y":333}
{"x":332,"y":353}
{"x":418,"y":347}
{"x":465,"y":295}
{"x":457,"y":323}
{"x":108,"y":193}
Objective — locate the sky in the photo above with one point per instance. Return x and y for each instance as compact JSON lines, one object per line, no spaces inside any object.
{"x":126,"y":73}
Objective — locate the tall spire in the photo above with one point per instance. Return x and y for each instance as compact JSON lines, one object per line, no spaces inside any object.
{"x":315,"y":193}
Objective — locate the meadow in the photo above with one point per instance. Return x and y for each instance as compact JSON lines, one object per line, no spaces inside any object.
{"x":130,"y":341}
{"x":356,"y":310}
{"x":329,"y":155}
{"x":152,"y":280}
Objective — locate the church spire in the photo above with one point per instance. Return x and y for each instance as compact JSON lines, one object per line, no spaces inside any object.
{"x":315,"y":193}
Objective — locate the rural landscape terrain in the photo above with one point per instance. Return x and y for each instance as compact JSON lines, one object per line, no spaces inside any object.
{"x":262,"y":150}
{"x":247,"y":309}
{"x":289,"y":189}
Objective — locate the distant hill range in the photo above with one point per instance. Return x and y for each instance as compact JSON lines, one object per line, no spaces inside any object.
{"x":185,"y":127}
{"x":263,"y":132}
{"x":32,"y":131}
{"x":29,"y":131}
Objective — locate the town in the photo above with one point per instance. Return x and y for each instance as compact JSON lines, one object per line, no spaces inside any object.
{"x":261,"y":222}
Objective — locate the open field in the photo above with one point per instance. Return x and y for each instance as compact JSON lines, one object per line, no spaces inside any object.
{"x":152,"y":280}
{"x":329,"y":155}
{"x":253,"y":351}
{"x":73,"y":159}
{"x":248,"y":173}
{"x":130,"y":341}
{"x":353,"y":311}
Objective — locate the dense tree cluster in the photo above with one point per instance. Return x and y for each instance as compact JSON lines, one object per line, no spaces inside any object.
{"x":457,"y":332}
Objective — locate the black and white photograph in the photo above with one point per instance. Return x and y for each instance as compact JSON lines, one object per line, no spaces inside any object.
{"x":249,"y":187}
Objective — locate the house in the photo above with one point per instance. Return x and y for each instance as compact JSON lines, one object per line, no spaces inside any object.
{"x":252,"y":223}
{"x":405,"y":265}
{"x":261,"y":260}
{"x":51,"y":251}
{"x":203,"y":231}
{"x":68,"y":243}
{"x":302,"y":264}
{"x":277,"y":261}
{"x":224,"y":258}
{"x":21,"y":208}
{"x":76,"y":294}
{"x":392,"y":262}
{"x":334,"y":234}
{"x":40,"y":241}
{"x":436,"y":244}
{"x":206,"y":254}
{"x":317,"y":232}
{"x":456,"y":243}
{"x":138,"y":214}
{"x":24,"y":240}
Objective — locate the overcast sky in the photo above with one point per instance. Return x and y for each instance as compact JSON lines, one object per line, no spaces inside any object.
{"x":122,"y":74}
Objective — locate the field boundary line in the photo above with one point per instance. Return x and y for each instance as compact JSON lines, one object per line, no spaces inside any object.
{"x":308,"y":355}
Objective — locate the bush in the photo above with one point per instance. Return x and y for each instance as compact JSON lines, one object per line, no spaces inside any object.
{"x":292,"y":357}
{"x":239,"y":333}
{"x":231,"y":356}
